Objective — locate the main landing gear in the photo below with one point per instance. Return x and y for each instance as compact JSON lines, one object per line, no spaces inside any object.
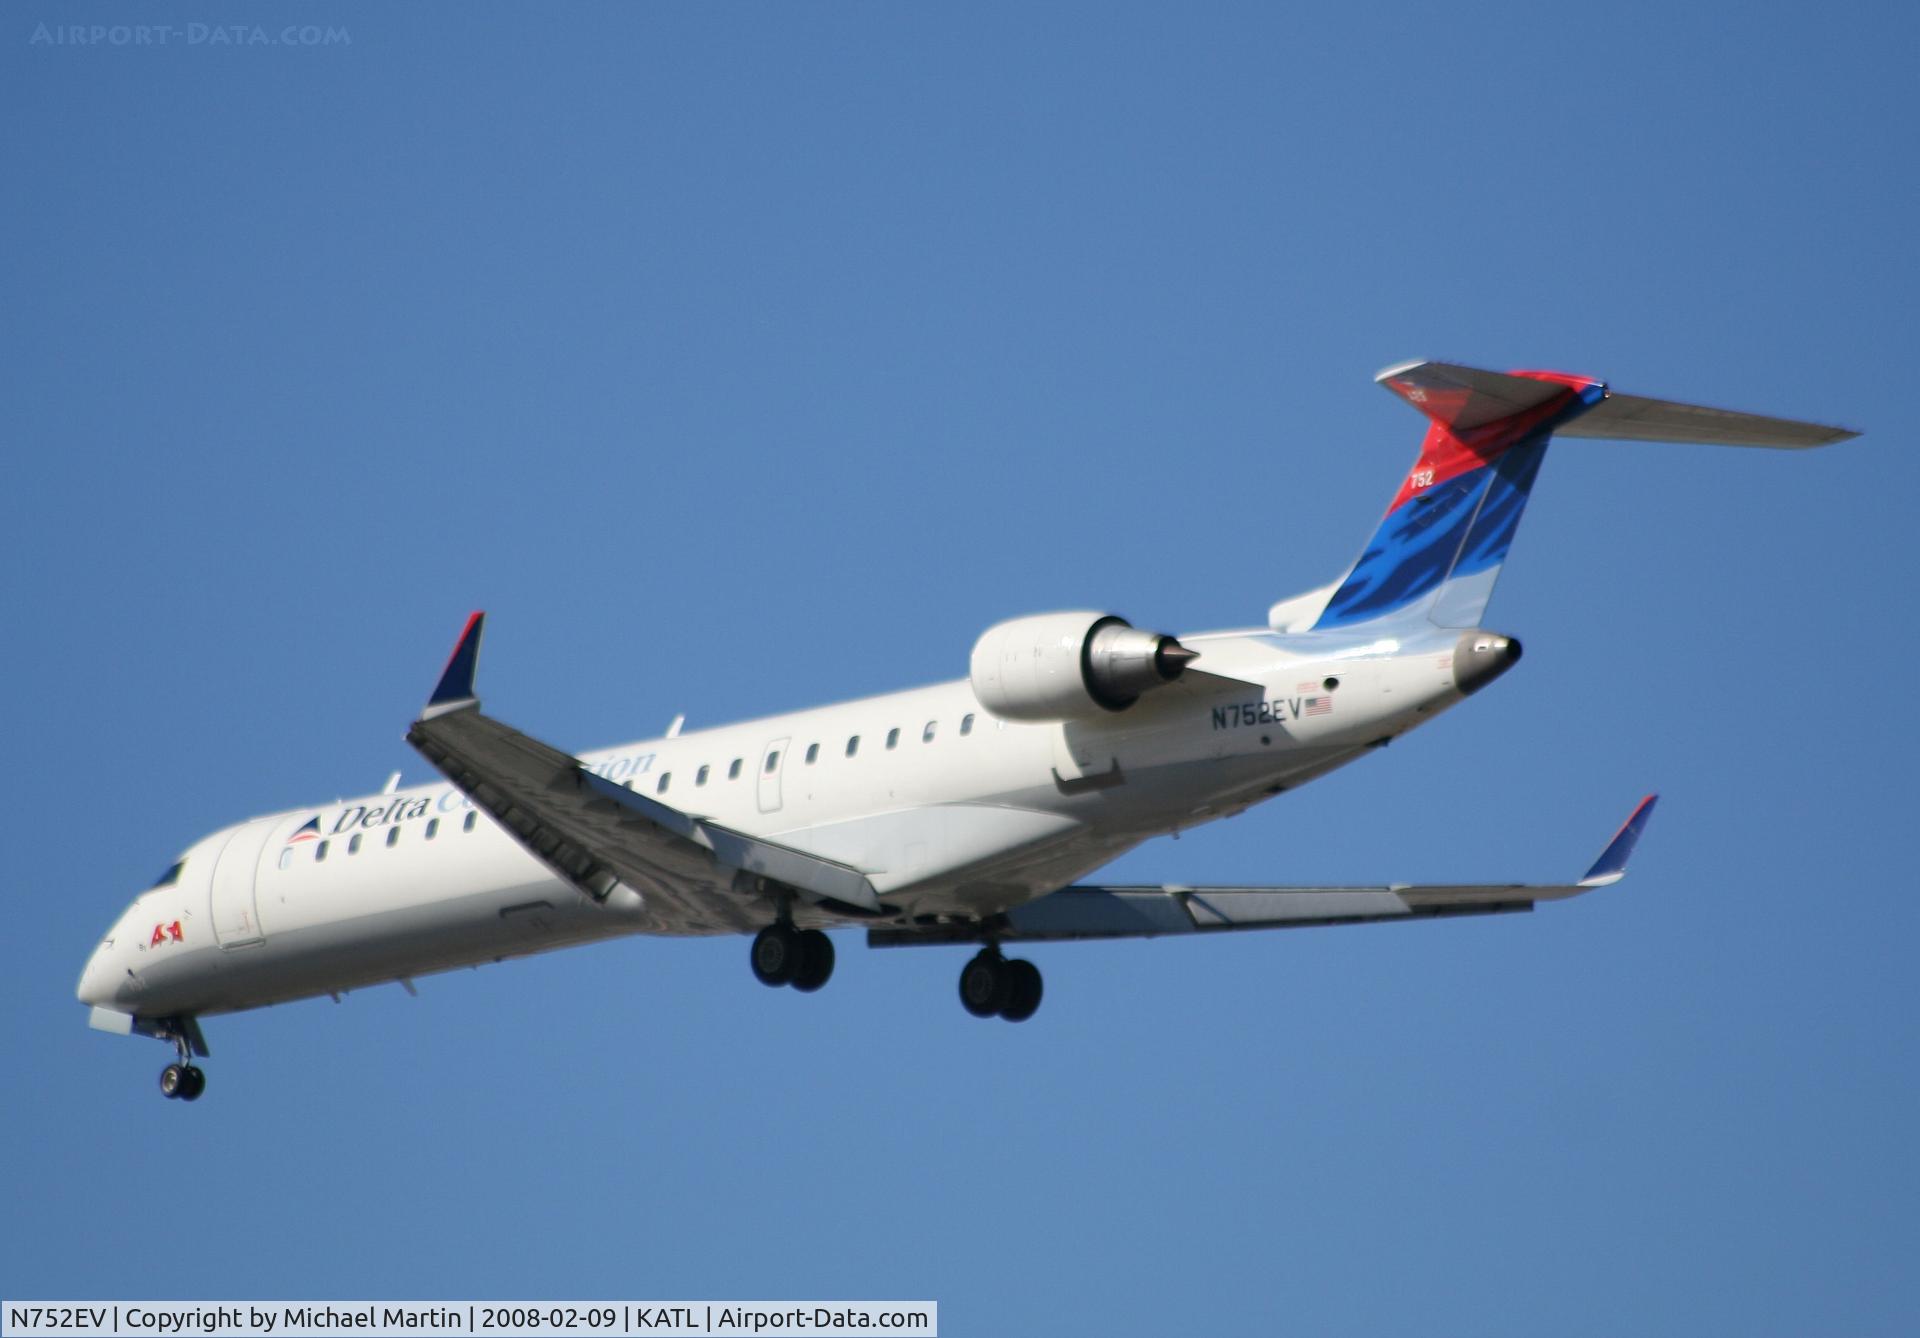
{"x":783,"y":955}
{"x":183,"y":1081}
{"x":992,"y":986}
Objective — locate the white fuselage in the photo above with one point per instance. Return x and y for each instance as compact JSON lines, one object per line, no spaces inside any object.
{"x":949,"y":811}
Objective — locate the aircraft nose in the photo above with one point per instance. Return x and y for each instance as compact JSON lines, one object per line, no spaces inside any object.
{"x":99,"y":978}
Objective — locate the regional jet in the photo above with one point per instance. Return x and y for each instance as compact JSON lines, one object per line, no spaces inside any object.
{"x":965,"y":813}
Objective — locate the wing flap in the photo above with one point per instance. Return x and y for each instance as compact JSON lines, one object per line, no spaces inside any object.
{"x":536,"y":792}
{"x":823,"y":879}
{"x":693,"y":876}
{"x":1155,"y":911}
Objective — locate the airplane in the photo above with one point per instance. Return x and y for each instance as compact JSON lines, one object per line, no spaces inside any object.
{"x":959,"y":814}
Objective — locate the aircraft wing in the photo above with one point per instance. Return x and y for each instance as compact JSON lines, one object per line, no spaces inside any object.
{"x":1148,"y":912}
{"x":694,"y":876}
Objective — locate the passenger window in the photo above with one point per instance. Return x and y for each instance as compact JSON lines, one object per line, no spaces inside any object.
{"x":733,"y":771}
{"x":393,"y":836}
{"x":813,"y":753}
{"x":773,"y":761}
{"x":353,"y":845}
{"x":893,"y":738}
{"x":966,"y":725}
{"x":700,"y":776}
{"x":661,"y":788}
{"x":433,"y":828}
{"x":853,"y":745}
{"x":926,"y":735}
{"x":319,"y":852}
{"x":466,"y":824}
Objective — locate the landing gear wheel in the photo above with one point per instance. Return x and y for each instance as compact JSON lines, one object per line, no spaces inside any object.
{"x":984,"y":984}
{"x":196,"y":1083}
{"x":816,"y":961}
{"x":173,"y":1081}
{"x":1023,"y":990}
{"x":777,"y":955}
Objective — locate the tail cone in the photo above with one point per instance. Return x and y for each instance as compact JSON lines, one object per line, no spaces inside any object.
{"x":1481,"y":657}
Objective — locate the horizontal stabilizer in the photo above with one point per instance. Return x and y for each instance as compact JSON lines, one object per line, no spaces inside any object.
{"x":1462,"y":398}
{"x":1636,"y":418}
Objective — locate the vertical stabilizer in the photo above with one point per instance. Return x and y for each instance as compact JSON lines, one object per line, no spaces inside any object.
{"x":1439,"y":549}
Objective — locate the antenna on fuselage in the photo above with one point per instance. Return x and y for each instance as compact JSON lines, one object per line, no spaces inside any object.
{"x":673,"y":730}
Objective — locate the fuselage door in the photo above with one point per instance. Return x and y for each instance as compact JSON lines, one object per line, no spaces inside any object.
{"x":771,"y":762}
{"x":236,"y":921}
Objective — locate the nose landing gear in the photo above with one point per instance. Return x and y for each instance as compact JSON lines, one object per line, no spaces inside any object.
{"x":992,"y":986}
{"x":182,"y":1081}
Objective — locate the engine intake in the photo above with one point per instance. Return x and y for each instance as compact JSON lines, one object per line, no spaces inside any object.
{"x":1061,"y":666}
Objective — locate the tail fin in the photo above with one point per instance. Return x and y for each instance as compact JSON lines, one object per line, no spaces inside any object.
{"x":1440,"y":547}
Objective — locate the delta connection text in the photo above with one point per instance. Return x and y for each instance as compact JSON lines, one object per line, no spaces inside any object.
{"x":405,"y":808}
{"x":471,"y":1319}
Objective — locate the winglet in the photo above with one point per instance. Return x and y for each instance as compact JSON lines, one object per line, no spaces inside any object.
{"x":1611,"y":867}
{"x":455,"y":689}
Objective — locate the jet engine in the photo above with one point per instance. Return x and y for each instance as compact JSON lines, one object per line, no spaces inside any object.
{"x":1060,"y":666}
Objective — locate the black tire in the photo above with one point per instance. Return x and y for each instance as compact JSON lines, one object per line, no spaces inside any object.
{"x":816,"y":961}
{"x":173,"y":1081}
{"x":1023,"y":990}
{"x":983,"y":985}
{"x":196,"y":1083}
{"x":776,"y":955}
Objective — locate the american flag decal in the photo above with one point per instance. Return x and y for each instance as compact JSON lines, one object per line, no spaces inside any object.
{"x":1317,"y":706}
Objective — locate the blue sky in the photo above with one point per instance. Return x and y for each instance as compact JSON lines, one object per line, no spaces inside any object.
{"x":742,"y":358}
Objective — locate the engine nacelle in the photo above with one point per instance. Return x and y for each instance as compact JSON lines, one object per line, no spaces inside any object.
{"x":1061,"y":666}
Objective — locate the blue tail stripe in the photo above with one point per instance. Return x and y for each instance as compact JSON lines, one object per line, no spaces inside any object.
{"x":1462,"y":598}
{"x":1499,"y":519}
{"x":1410,"y":554}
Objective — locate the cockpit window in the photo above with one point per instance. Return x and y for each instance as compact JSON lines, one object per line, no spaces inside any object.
{"x":171,"y":876}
